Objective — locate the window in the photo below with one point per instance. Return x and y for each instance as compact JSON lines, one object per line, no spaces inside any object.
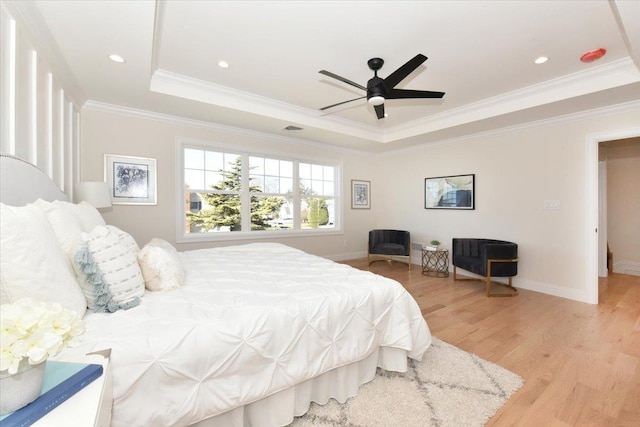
{"x":230,"y":195}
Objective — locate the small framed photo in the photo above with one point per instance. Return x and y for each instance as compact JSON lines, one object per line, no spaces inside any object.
{"x":450,"y":192}
{"x":131,"y":180}
{"x":360,"y":194}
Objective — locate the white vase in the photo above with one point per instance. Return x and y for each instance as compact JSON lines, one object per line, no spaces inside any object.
{"x":21,"y":388}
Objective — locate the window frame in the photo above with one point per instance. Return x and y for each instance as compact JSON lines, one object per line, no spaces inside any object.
{"x":183,"y":237}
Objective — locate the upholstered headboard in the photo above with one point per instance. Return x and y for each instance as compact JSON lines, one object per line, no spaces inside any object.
{"x":21,"y":182}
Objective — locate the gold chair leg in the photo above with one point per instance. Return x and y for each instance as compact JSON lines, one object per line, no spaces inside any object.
{"x":512,"y":291}
{"x":389,"y":258}
{"x":488,"y":282}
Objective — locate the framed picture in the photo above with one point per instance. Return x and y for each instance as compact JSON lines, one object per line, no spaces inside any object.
{"x":360,"y":194}
{"x":450,"y":192}
{"x":131,"y":180}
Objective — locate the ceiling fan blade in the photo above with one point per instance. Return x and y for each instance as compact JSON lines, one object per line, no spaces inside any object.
{"x":340,"y":103}
{"x":342,"y":79}
{"x":407,"y":93}
{"x":398,"y":75}
{"x":379,"y":111}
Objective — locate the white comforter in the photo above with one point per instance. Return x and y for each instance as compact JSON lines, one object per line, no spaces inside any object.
{"x":250,"y":321}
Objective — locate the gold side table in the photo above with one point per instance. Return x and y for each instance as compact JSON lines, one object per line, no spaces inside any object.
{"x":435,"y":263}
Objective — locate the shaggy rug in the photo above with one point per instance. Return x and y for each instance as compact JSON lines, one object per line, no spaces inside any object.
{"x":448,"y":388}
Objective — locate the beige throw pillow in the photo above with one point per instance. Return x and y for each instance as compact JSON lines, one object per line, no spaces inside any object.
{"x":161,"y":266}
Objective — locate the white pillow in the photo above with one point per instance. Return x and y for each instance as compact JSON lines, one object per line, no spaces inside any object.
{"x":161,"y":266}
{"x":125,"y":238}
{"x":32,"y":262}
{"x":109,"y":271}
{"x":89,"y":216}
{"x":65,"y":222}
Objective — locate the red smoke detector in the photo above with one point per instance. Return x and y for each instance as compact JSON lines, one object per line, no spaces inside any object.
{"x":593,"y":55}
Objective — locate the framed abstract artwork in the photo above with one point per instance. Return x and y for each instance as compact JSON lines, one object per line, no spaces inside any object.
{"x":360,"y":194}
{"x":131,"y":180}
{"x":450,"y":192}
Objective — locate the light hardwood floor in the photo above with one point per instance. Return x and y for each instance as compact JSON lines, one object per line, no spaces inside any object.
{"x":580,"y":362}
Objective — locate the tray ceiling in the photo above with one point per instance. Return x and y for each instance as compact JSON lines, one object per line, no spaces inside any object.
{"x":480,"y":53}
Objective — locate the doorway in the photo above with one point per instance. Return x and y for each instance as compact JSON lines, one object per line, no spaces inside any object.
{"x":592,"y":204}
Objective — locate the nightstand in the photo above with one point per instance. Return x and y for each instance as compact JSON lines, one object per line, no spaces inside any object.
{"x":89,"y":407}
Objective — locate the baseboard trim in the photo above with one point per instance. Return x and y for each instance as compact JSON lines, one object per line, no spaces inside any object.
{"x":627,"y":267}
{"x":347,"y":256}
{"x":531,"y":285}
{"x":545,"y":288}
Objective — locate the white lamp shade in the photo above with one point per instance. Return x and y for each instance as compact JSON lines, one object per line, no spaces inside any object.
{"x":96,"y":193}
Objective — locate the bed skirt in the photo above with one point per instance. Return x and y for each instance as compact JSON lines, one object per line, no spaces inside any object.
{"x":340,"y":384}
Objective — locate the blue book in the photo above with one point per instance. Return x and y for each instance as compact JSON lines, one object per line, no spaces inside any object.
{"x":61,"y":381}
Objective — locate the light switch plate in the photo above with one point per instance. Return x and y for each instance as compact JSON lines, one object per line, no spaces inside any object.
{"x":552,"y":205}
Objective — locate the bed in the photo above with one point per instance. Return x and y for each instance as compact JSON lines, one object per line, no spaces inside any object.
{"x":255,"y":333}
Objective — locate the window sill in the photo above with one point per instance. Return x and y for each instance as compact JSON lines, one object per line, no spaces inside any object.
{"x":254,"y":235}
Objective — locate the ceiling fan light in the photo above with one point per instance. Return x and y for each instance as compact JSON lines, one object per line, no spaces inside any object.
{"x":117,"y":58}
{"x":376,"y":100}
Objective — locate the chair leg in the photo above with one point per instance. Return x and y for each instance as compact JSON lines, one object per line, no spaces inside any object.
{"x":388,"y":258}
{"x":512,"y":291}
{"x":488,"y":282}
{"x":488,"y":285}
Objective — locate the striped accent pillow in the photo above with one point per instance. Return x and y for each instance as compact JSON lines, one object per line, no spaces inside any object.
{"x":108,"y":270}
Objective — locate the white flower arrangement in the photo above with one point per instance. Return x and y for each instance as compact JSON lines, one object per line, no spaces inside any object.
{"x":35,"y":330}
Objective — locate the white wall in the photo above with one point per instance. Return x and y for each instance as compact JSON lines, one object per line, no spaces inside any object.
{"x":39,"y":102}
{"x":115,"y":131}
{"x":516,"y":171}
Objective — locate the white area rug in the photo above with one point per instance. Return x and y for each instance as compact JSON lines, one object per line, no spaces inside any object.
{"x":448,"y":388}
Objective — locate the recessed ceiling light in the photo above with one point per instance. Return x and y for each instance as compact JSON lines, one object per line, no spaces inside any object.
{"x":116,"y":58}
{"x":541,"y":60}
{"x":223,"y":64}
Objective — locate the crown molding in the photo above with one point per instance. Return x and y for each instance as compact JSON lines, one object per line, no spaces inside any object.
{"x":607,"y":76}
{"x":28,"y":16}
{"x":626,"y":14}
{"x":158,"y":23}
{"x":627,"y":107}
{"x":167,"y":118}
{"x":169,"y":83}
{"x":182,"y":121}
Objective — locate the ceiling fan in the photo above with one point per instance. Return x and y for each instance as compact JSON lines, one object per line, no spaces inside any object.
{"x":379,"y":89}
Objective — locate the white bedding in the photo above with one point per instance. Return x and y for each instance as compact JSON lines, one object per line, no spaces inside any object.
{"x":251,"y":320}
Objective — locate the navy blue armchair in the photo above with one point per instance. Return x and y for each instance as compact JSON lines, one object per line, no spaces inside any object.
{"x":389,"y":245}
{"x":488,"y":258}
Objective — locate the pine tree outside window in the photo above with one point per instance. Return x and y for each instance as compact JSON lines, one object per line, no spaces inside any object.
{"x":229,"y":194}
